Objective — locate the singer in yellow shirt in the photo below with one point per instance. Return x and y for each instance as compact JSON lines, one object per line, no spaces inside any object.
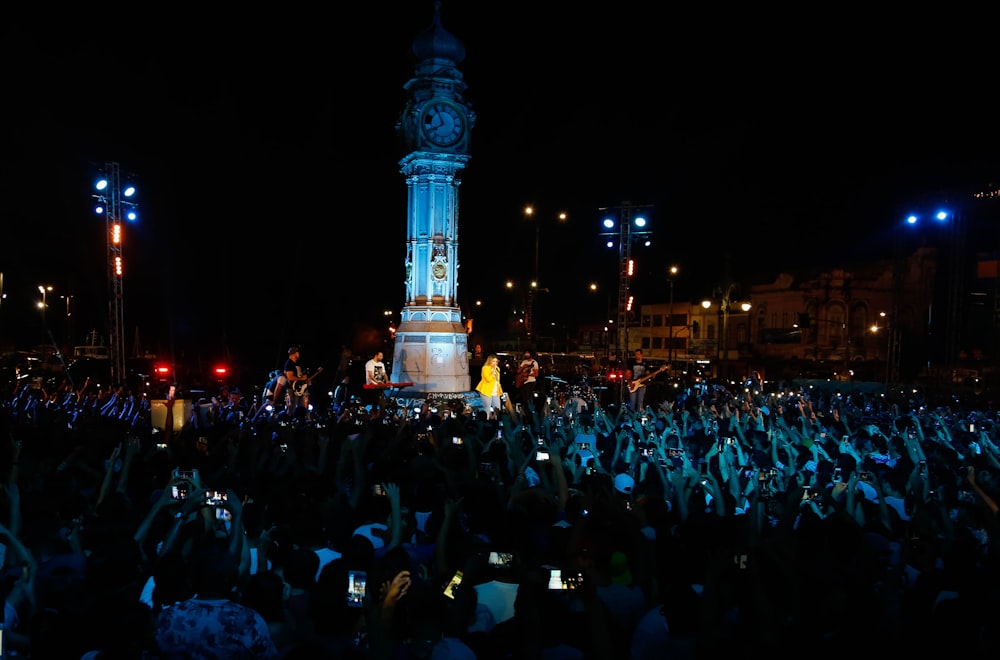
{"x":489,"y":388}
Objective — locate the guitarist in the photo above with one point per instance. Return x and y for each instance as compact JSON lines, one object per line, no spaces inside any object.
{"x":524,"y":383}
{"x":636,"y":370}
{"x":295,"y":396}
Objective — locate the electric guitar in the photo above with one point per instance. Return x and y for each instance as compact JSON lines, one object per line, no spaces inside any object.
{"x":299,"y":387}
{"x":637,"y":383}
{"x":522,"y":374}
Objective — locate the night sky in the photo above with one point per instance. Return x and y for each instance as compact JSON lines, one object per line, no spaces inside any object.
{"x":273,"y":211}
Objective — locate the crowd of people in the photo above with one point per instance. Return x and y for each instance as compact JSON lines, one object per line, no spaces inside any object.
{"x":722,"y":520}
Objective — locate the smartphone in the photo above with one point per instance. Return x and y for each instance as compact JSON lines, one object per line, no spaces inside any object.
{"x":499,"y":434}
{"x":356,"y":587}
{"x":161,"y":445}
{"x":456,"y":440}
{"x":223,"y":514}
{"x":172,"y":391}
{"x":179,"y":490}
{"x":923,"y":468}
{"x":449,"y":589}
{"x":541,"y":455}
{"x":186,"y":475}
{"x":972,"y":428}
{"x":215,"y":497}
{"x":838,"y":475}
{"x":501,"y":559}
{"x":555,"y":579}
{"x":377,"y":490}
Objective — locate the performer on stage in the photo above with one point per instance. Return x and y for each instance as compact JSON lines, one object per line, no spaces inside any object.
{"x":489,"y":388}
{"x":376,"y":374}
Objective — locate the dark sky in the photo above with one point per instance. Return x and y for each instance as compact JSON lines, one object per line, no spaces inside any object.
{"x":273,"y":211}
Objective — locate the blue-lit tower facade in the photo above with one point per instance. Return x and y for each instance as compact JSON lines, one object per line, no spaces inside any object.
{"x":431,"y":347}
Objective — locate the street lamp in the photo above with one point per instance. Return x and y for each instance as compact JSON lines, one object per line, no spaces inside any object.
{"x":529,"y":213}
{"x":875,"y":329}
{"x":43,"y":289}
{"x":724,"y":310}
{"x":69,"y":321}
{"x":671,"y":276}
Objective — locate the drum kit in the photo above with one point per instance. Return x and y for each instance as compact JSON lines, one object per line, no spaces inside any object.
{"x":582,"y":395}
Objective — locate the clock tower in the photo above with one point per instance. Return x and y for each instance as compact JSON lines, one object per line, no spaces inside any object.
{"x":431,"y":348}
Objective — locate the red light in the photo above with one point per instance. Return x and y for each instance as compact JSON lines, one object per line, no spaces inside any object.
{"x":161,"y":372}
{"x":220,"y":373}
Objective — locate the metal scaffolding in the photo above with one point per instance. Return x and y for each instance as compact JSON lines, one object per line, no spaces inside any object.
{"x":116,"y":206}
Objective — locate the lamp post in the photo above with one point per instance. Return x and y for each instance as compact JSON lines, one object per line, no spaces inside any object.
{"x":43,"y":289}
{"x":671,"y":276}
{"x":875,"y":329}
{"x":69,"y":321}
{"x":724,"y":310}
{"x":529,"y":310}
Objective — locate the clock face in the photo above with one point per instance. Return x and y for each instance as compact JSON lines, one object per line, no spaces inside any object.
{"x":443,"y":124}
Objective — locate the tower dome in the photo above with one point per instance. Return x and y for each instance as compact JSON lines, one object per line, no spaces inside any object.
{"x":437,"y":51}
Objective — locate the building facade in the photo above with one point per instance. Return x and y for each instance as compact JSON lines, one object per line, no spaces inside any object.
{"x":847,"y":323}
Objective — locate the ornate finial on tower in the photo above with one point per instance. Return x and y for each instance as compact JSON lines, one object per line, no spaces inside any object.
{"x":437,"y":51}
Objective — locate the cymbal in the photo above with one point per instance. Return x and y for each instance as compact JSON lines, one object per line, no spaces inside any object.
{"x":555,"y":379}
{"x":600,"y":388}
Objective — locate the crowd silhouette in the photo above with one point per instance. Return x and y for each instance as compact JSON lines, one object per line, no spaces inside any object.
{"x":720,"y":520}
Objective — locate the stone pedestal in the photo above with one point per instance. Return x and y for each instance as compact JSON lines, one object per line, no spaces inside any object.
{"x":431,"y":351}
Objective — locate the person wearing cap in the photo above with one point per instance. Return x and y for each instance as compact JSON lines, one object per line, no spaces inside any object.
{"x":636,"y":371}
{"x":294,"y":374}
{"x":527,"y":378}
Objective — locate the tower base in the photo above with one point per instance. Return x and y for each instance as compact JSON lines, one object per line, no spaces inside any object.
{"x":431,"y":351}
